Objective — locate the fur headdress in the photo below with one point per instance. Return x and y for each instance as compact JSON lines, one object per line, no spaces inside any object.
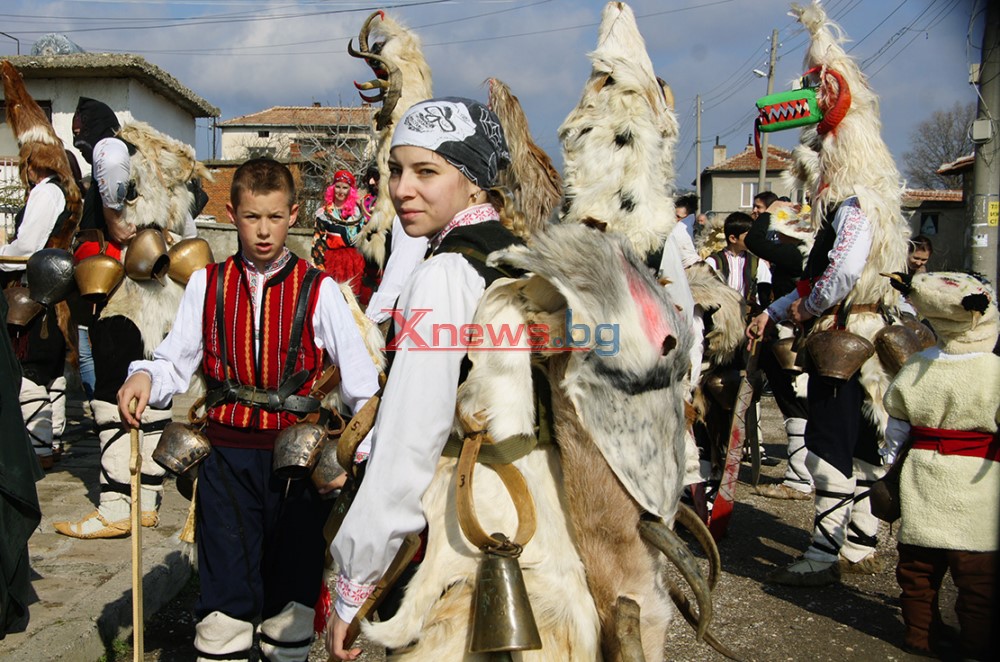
{"x":402,"y":73}
{"x":618,"y":142}
{"x":961,"y":309}
{"x":853,"y":158}
{"x":39,"y":146}
{"x":534,"y":184}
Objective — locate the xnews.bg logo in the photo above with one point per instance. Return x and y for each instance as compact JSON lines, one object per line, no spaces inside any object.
{"x":602,"y":339}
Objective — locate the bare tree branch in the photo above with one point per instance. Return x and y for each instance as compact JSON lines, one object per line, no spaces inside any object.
{"x":941,"y":138}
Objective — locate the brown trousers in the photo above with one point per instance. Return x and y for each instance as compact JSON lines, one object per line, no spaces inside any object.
{"x":920,"y":572}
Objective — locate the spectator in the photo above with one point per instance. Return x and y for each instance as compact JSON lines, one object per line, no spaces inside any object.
{"x":920,"y":251}
{"x":684,"y":209}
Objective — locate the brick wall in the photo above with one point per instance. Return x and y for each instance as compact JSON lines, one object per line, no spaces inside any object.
{"x":218,"y":190}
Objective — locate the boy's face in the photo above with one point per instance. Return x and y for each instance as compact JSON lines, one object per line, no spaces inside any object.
{"x":262,"y":221}
{"x":735,"y":244}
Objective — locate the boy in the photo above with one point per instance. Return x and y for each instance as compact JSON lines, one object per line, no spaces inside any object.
{"x":260,"y":541}
{"x":741,"y":270}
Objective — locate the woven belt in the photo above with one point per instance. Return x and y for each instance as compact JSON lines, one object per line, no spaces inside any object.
{"x":502,"y":452}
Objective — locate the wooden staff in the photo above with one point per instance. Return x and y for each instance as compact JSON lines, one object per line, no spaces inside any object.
{"x":14,"y":259}
{"x":135,"y":469}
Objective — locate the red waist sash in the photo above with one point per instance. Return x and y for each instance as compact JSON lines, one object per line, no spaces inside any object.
{"x":957,"y":442}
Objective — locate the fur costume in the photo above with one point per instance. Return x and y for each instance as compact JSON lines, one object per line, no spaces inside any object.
{"x":622,"y":125}
{"x":948,"y":489}
{"x":161,"y":168}
{"x":854,"y":161}
{"x":533,"y":182}
{"x":398,"y":62}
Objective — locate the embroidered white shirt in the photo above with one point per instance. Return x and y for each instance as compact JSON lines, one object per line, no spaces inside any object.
{"x":45,"y":202}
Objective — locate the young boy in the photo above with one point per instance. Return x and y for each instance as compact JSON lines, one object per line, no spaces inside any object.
{"x":260,"y":540}
{"x":741,"y":270}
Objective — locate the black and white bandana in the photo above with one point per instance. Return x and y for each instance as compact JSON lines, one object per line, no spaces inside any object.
{"x":464,"y":132}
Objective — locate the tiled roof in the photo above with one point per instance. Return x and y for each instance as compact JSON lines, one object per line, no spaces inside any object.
{"x":958,"y":165}
{"x":113,"y":65}
{"x":305,"y":116}
{"x":747,"y":161}
{"x":918,"y":195}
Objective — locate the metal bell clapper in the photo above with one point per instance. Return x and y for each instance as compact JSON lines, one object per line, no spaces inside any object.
{"x":502,"y":619}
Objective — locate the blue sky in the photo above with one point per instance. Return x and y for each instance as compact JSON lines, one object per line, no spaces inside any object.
{"x":247,"y":55}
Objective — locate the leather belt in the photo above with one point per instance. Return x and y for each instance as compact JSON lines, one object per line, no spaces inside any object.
{"x":853,"y":310}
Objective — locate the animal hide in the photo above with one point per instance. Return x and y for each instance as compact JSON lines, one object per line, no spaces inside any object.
{"x":161,"y":168}
{"x":727,"y":309}
{"x":400,"y":47}
{"x":618,"y":142}
{"x":532,"y":180}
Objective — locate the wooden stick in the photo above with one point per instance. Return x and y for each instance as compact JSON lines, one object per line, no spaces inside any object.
{"x":135,"y":469}
{"x":14,"y":259}
{"x":187,"y":534}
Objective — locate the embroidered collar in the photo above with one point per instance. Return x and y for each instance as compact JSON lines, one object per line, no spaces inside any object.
{"x":471,"y":216}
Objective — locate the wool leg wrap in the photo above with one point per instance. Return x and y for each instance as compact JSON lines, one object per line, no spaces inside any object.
{"x":57,"y":397}
{"x":834,"y":498}
{"x":115,"y":453}
{"x":862,"y":533}
{"x":796,"y":473}
{"x":288,"y":635}
{"x":37,"y":412}
{"x":220,"y":637}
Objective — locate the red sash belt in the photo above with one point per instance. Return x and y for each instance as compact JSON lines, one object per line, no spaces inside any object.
{"x":957,"y":442}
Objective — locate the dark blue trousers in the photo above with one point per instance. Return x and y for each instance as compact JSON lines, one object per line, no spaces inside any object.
{"x":260,"y":538}
{"x":838,"y":429}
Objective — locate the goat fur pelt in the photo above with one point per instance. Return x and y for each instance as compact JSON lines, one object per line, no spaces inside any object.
{"x":618,"y":143}
{"x":531,"y":179}
{"x":401,"y":47}
{"x":161,"y":168}
{"x":728,"y":311}
{"x":854,"y":161}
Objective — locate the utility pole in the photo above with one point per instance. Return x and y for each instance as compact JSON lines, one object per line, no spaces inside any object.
{"x":697,"y":153}
{"x":985,"y":203}
{"x":762,"y":175}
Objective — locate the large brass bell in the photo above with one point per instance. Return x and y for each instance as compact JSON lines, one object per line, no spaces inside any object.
{"x":296,"y":449}
{"x":146,"y":256}
{"x":502,"y":619}
{"x":894,"y":344}
{"x":98,"y":276}
{"x":21,"y":308}
{"x":327,"y":467}
{"x":838,"y":353}
{"x":188,"y":256}
{"x":180,"y":448}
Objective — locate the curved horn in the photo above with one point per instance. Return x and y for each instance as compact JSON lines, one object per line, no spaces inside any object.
{"x":371,"y":85}
{"x":685,"y":609}
{"x":660,"y":536}
{"x":627,"y":629}
{"x":363,"y":35}
{"x":690,"y":521}
{"x":390,"y":97}
{"x":355,"y":53}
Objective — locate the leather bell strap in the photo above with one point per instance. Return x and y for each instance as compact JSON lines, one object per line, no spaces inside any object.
{"x":465,"y":505}
{"x":356,"y":431}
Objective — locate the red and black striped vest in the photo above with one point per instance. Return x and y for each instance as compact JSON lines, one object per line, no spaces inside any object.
{"x":243,"y":363}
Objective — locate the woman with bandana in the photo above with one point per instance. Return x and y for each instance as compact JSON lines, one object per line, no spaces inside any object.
{"x":338,"y":223}
{"x":443,"y":167}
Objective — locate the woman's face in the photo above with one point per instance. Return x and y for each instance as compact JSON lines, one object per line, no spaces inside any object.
{"x":426,"y":190}
{"x":340,"y":191}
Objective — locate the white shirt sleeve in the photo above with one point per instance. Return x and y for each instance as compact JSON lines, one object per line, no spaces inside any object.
{"x":406,"y":255}
{"x":847,"y":259}
{"x":177,"y":358}
{"x":337,"y":333}
{"x":111,"y":171}
{"x":412,"y":426}
{"x":45,"y":202}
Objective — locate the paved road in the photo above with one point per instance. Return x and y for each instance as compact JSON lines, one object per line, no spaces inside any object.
{"x":83,"y":606}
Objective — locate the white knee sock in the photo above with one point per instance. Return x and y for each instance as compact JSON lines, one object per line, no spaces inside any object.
{"x":834,"y":499}
{"x":57,"y":397}
{"x":862,"y":531}
{"x":37,"y":412}
{"x":219,"y":635}
{"x":287,"y":636}
{"x":796,"y":473}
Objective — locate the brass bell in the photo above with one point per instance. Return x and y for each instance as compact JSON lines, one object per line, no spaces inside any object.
{"x":98,"y":276}
{"x":786,"y":355}
{"x":838,"y":353}
{"x":894,"y":344}
{"x":21,"y":308}
{"x":146,"y":256}
{"x":502,"y":619}
{"x":180,"y":448}
{"x":296,"y":449}
{"x":187,"y":256}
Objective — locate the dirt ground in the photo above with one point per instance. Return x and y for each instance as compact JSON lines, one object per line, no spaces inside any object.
{"x":858,"y":619}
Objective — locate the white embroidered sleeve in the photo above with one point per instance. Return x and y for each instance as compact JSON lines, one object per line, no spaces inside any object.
{"x":847,"y":259}
{"x":406,"y":255}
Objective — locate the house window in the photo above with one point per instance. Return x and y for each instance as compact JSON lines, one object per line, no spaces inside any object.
{"x":263,"y":134}
{"x":260,"y":152}
{"x":928,"y":224}
{"x":749,"y":190}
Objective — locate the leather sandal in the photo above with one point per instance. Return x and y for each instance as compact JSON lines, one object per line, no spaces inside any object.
{"x":118,"y":529}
